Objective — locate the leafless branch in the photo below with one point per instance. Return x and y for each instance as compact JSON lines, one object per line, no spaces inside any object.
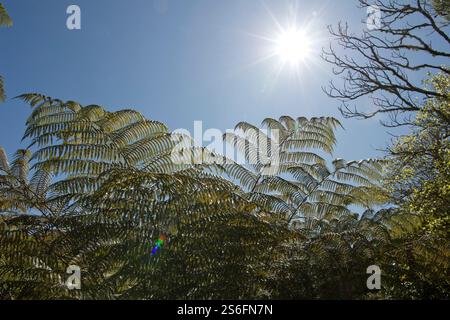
{"x":387,"y":64}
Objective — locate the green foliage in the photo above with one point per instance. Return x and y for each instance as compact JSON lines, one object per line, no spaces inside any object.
{"x":300,"y":186}
{"x":97,"y":188}
{"x":442,"y":7}
{"x":102,"y":188}
{"x":420,"y":182}
{"x":6,"y":20}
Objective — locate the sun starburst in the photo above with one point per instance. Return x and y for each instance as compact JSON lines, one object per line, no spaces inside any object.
{"x":293,"y":46}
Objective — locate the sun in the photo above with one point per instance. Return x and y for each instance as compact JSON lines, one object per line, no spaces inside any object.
{"x":293,"y":46}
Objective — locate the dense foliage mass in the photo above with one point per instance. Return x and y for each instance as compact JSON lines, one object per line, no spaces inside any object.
{"x":419,"y":184}
{"x":96,"y":189}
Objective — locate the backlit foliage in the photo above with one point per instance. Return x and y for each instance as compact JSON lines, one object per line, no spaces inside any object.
{"x":301,"y":187}
{"x":97,"y":188}
{"x":419,"y":183}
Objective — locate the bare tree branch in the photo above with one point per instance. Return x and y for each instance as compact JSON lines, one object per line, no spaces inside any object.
{"x":385,"y":64}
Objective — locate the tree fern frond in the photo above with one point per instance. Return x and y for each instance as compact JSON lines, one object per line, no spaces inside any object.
{"x":34,"y":98}
{"x":4,"y":165}
{"x":236,"y":171}
{"x":20,"y":165}
{"x":5,"y":19}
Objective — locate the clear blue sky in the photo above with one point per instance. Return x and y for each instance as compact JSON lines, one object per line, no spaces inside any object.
{"x":175,"y":61}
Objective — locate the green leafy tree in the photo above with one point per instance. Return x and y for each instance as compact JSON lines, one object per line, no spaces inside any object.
{"x":419,"y":183}
{"x":297,"y":185}
{"x":113,"y":190}
{"x":108,"y":188}
{"x":295,"y":180}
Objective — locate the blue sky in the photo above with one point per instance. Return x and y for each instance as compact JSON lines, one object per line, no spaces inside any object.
{"x":175,"y":61}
